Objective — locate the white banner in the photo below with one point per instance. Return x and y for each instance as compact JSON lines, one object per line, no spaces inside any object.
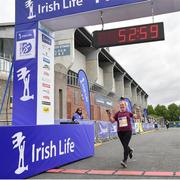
{"x":45,"y":99}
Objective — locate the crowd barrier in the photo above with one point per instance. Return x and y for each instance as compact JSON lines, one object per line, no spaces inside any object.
{"x":105,"y":130}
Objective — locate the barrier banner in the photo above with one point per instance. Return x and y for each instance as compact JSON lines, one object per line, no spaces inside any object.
{"x":145,"y":126}
{"x":136,"y":127}
{"x":29,"y":150}
{"x":133,"y":128}
{"x":113,"y":129}
{"x":83,"y":82}
{"x":103,"y":130}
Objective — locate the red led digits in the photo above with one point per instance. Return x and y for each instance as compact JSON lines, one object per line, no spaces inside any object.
{"x":132,"y":34}
{"x":154,"y":31}
{"x":122,"y":35}
{"x":129,"y":35}
{"x":143,"y":35}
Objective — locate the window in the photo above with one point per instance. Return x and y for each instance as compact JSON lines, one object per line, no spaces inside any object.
{"x":72,"y":78}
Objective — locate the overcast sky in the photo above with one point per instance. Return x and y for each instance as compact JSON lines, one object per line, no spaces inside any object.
{"x":154,"y":66}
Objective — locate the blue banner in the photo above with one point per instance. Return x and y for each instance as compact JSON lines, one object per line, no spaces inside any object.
{"x":145,"y":112}
{"x":29,"y":150}
{"x":103,"y":130}
{"x":113,"y":130}
{"x":129,"y":108}
{"x":35,"y":10}
{"x":129,"y":105}
{"x":83,"y":82}
{"x":25,"y":75}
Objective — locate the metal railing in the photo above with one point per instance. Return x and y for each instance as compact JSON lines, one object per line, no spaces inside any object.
{"x":5,"y":64}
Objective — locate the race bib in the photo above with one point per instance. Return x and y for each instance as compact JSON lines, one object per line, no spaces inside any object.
{"x":123,"y":122}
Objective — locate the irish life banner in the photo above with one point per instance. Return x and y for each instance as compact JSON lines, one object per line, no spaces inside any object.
{"x":33,"y":89}
{"x":29,"y":150}
{"x":35,"y":10}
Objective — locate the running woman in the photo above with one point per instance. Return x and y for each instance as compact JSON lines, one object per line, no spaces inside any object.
{"x":124,"y":129}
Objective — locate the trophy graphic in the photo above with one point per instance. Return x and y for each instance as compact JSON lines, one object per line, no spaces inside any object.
{"x":30,"y":4}
{"x":19,"y":143}
{"x":23,"y":74}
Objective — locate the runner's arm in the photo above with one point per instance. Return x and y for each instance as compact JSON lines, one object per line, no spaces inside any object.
{"x":110,"y":116}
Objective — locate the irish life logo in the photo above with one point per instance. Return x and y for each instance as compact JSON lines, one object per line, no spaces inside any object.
{"x":19,"y":144}
{"x":29,"y":4}
{"x":39,"y":151}
{"x":23,"y":74}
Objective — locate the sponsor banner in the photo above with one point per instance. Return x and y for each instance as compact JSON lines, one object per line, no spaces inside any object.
{"x":45,"y":91}
{"x":103,"y":130}
{"x":25,"y":76}
{"x":25,"y":44}
{"x":83,"y":82}
{"x":136,"y":125}
{"x":24,"y":93}
{"x":113,"y":130}
{"x":35,"y":10}
{"x":29,"y":150}
{"x":145,"y":126}
{"x":133,"y":128}
{"x":103,"y":101}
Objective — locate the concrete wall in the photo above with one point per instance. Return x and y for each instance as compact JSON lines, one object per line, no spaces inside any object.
{"x":134,"y":94}
{"x":100,"y":80}
{"x":128,"y":89}
{"x":60,"y":85}
{"x":119,"y":83}
{"x":108,"y":74}
{"x":92,"y":65}
{"x":65,"y":37}
{"x":79,"y":63}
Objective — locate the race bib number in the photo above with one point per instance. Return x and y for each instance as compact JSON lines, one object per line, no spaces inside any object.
{"x":123,"y":122}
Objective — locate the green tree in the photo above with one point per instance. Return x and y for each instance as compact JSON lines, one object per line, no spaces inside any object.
{"x":151,"y":110}
{"x":174,"y":112}
{"x":161,"y":110}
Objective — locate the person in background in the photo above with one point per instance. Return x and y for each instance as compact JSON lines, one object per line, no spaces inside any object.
{"x":124,"y":129}
{"x":167,"y":124}
{"x":77,"y":115}
{"x":155,"y":124}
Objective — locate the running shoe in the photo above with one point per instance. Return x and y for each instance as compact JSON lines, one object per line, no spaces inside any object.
{"x":131,"y":153}
{"x":124,"y":164}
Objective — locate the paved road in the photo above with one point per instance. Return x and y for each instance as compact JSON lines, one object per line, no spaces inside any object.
{"x":155,"y":151}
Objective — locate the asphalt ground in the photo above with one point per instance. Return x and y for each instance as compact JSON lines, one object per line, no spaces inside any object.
{"x":157,"y":151}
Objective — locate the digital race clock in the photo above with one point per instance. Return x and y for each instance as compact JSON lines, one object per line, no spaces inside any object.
{"x":129,"y":35}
